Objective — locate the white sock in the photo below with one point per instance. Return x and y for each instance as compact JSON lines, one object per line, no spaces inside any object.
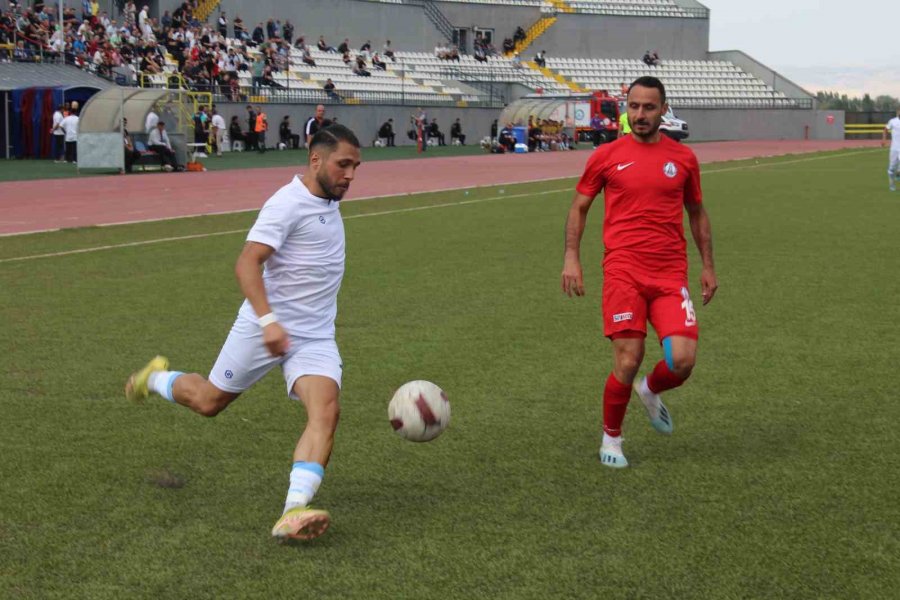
{"x":161,"y":382}
{"x":612,"y":440}
{"x":306,"y":477}
{"x":646,"y":392}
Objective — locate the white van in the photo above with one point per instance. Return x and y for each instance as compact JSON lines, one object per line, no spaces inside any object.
{"x":674,"y":127}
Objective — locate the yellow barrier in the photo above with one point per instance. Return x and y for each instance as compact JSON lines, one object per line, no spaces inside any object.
{"x":863,"y":128}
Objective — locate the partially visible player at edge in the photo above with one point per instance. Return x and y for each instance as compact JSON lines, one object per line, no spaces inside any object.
{"x":648,"y":180}
{"x":893,"y":128}
{"x":287,"y":319}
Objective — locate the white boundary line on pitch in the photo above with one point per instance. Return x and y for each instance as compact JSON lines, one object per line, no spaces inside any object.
{"x":388,"y":212}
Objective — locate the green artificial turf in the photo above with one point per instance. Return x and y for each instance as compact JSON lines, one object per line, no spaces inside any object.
{"x":779,"y":482}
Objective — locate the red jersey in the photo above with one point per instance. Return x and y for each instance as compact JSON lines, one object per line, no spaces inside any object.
{"x":646,"y":189}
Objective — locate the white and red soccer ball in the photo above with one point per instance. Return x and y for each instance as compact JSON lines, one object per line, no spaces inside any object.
{"x":419,"y":411}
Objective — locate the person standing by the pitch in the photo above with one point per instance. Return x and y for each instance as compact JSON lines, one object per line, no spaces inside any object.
{"x":647,"y":179}
{"x":893,"y":128}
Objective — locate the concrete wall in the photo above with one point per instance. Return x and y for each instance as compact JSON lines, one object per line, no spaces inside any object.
{"x":502,"y":19}
{"x":407,"y":27}
{"x":365,"y":120}
{"x":742,"y":124}
{"x":772,"y":78}
{"x":602,"y":36}
{"x":705,"y":124}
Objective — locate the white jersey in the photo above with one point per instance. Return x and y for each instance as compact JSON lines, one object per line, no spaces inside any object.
{"x":57,"y":120}
{"x":303,"y":276}
{"x":894,"y":127}
{"x":70,"y":126}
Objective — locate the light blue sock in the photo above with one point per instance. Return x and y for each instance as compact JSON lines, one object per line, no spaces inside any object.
{"x":306,"y":477}
{"x":161,"y":382}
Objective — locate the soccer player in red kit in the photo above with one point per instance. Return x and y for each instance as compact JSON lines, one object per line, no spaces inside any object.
{"x":648,"y":180}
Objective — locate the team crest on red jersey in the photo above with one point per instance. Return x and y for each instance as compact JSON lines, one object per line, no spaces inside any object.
{"x":670,"y":170}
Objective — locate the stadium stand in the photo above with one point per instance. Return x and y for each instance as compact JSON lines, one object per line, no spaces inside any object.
{"x":186,"y":50}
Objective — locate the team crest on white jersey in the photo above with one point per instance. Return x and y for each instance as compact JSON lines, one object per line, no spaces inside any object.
{"x":670,"y":169}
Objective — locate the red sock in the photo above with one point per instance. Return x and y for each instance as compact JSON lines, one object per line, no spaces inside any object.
{"x":663,"y":378}
{"x":615,"y":402}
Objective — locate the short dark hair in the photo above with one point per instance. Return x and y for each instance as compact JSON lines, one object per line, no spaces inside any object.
{"x":331,"y":136}
{"x":650,"y":82}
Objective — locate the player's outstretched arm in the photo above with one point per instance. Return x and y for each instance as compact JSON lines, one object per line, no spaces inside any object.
{"x":884,"y":137}
{"x":572,"y":278}
{"x":247,"y":269}
{"x":702,"y":232}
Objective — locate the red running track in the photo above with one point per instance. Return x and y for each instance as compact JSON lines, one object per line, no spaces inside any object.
{"x":49,"y":204}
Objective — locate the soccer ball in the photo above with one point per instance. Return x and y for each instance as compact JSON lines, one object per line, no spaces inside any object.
{"x":419,"y":411}
{"x":282,"y":146}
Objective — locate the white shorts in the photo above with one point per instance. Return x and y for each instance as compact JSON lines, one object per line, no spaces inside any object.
{"x":244,"y":359}
{"x":894,"y":164}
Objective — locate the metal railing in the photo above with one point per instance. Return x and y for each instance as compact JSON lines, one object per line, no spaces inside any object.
{"x":741,"y":103}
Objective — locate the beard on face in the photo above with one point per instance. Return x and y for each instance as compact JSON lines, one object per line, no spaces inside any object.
{"x":654,"y":127}
{"x":331,"y":188}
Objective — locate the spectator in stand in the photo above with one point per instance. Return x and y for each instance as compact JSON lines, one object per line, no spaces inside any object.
{"x":287,"y":32}
{"x":159,"y":143}
{"x":508,"y":45}
{"x":540,"y":59}
{"x":258,"y":36}
{"x":223,"y":24}
{"x":346,"y":58}
{"x":519,"y":35}
{"x":651,"y":58}
{"x":271,"y":30}
{"x":286,"y":136}
{"x":131,"y":154}
{"x":130,"y":14}
{"x":313,"y":124}
{"x":329,"y":88}
{"x":386,"y":131}
{"x":360,"y":67}
{"x":321,"y":45}
{"x":307,"y":57}
{"x":234,"y":132}
{"x":456,"y":133}
{"x":165,"y":20}
{"x":388,"y":51}
{"x":378,"y":63}
{"x":344,"y":47}
{"x":366,"y":48}
{"x":239,"y":31}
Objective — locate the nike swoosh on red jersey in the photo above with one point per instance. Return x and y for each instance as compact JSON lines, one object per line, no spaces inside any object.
{"x":625,"y":166}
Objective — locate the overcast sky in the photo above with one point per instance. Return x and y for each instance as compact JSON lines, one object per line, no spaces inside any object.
{"x":850,"y":47}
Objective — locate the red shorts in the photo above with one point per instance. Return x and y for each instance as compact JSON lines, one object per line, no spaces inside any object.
{"x":630,"y":298}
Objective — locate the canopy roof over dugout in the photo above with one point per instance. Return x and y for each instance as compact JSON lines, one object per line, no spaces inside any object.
{"x":555,"y":109}
{"x":100,"y":143}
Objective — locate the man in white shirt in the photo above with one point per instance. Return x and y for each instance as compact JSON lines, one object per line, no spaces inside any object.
{"x":70,"y":127}
{"x":287,"y":319}
{"x":893,"y":127}
{"x":218,"y":130}
{"x":151,"y":121}
{"x":59,"y":135}
{"x":159,"y":143}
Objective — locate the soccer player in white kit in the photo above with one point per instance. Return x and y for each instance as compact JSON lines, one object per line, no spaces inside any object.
{"x":893,"y":127}
{"x":286,"y":319}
